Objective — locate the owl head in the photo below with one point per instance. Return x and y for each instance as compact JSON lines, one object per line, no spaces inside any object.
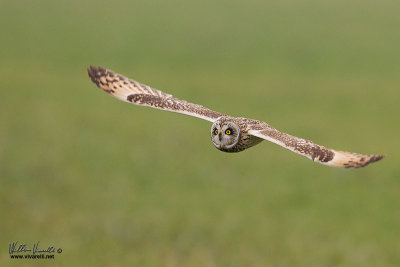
{"x":225,"y":134}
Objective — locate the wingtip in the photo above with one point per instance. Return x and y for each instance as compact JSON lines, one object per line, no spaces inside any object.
{"x":95,"y":73}
{"x":92,"y":72}
{"x":376,"y":158}
{"x":343,"y":159}
{"x":366,"y":160}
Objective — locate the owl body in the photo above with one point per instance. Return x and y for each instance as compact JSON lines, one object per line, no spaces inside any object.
{"x":231,"y":134}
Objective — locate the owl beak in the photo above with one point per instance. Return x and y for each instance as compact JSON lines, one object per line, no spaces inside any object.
{"x":220,"y":137}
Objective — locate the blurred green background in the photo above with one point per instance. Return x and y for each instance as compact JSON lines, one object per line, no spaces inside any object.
{"x":114,"y":184}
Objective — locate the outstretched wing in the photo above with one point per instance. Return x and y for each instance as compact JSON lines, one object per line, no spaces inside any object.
{"x":312,"y":151}
{"x":134,"y":92}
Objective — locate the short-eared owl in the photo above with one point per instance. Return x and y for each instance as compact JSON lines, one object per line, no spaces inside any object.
{"x":228,"y":134}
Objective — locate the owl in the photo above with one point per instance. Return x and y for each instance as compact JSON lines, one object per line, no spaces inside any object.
{"x":228,"y":134}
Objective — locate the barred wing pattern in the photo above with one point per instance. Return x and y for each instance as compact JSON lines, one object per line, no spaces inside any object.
{"x":311,"y":150}
{"x":134,"y":92}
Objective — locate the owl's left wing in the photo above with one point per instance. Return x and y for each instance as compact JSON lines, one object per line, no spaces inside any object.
{"x":307,"y":148}
{"x":140,"y":94}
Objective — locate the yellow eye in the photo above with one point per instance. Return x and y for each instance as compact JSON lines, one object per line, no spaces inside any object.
{"x":215,"y":131}
{"x":228,"y":132}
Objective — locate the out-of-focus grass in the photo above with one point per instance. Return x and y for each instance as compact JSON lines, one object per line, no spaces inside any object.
{"x":114,"y":184}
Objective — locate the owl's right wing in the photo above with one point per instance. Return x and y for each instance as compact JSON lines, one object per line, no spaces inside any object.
{"x":307,"y":148}
{"x":134,"y":92}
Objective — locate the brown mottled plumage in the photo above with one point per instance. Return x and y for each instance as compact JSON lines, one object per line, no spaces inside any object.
{"x":140,"y":94}
{"x":228,"y":134}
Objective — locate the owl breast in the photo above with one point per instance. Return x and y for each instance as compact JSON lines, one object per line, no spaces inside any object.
{"x":245,"y":142}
